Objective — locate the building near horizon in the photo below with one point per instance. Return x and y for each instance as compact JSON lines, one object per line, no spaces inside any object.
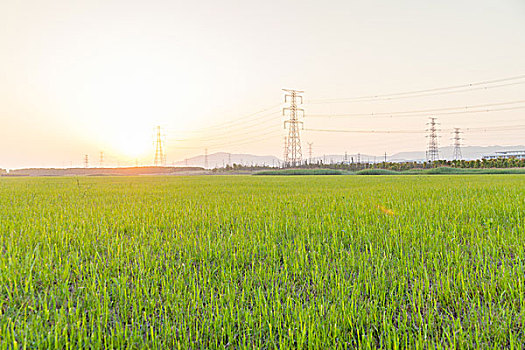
{"x":506,"y":155}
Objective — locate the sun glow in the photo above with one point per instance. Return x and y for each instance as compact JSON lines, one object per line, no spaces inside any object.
{"x":133,"y":144}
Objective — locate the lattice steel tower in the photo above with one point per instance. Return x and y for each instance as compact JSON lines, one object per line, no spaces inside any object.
{"x":310,"y":144}
{"x":293,"y":153}
{"x":457,"y":144}
{"x":285,"y":152}
{"x":432,"y":152}
{"x":159,"y":155}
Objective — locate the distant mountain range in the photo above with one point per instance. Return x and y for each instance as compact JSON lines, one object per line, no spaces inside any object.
{"x":468,"y":153}
{"x":221,"y":159}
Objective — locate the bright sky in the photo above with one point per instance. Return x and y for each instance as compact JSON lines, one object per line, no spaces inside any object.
{"x":81,"y":77}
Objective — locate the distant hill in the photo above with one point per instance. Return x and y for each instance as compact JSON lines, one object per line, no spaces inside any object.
{"x":468,"y":153}
{"x":103,"y":171}
{"x":221,"y":159}
{"x":338,"y":158}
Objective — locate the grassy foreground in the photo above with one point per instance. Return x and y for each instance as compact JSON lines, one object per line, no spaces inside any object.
{"x":262,"y":262}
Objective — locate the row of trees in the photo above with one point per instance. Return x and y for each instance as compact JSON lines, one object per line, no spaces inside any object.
{"x":478,"y":163}
{"x":401,"y":166}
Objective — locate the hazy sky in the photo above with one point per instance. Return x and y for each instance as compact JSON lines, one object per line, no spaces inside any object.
{"x":80,"y":77}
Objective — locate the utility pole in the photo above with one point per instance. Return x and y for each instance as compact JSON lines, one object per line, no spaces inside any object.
{"x":159,"y":155}
{"x":457,"y":144}
{"x":205,"y":158}
{"x":293,"y":146}
{"x":385,"y":157}
{"x":310,"y":152}
{"x":432,"y":152}
{"x":101,"y":159}
{"x":86,"y":161}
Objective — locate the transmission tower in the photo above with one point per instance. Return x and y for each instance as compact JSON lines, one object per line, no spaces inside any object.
{"x":293,"y":154}
{"x":86,"y":161}
{"x":310,"y":152}
{"x":205,"y":158}
{"x":101,"y":160}
{"x":457,"y":144}
{"x":159,"y":155}
{"x":285,"y":152}
{"x":432,"y":152}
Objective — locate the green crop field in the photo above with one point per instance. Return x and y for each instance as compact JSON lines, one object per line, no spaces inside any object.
{"x":263,"y":262}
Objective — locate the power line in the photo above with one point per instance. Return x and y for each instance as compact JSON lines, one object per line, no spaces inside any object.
{"x":228,"y":135}
{"x":241,"y":119}
{"x":421,"y":95}
{"x":428,"y":92}
{"x":367,"y":131}
{"x":239,"y":141}
{"x":483,"y":129}
{"x":252,"y":140}
{"x":410,"y":113}
{"x":496,"y":128}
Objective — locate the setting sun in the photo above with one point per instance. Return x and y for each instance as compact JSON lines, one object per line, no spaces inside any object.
{"x":133,"y":144}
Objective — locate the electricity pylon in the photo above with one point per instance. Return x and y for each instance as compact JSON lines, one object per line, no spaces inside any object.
{"x":457,"y":144}
{"x":432,"y":152}
{"x":310,"y":152}
{"x":293,"y":155}
{"x":285,"y":152}
{"x":159,"y":155}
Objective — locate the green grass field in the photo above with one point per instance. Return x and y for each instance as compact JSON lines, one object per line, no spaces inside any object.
{"x":263,"y":262}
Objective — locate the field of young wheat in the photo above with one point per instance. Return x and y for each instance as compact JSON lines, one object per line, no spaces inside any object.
{"x":263,"y":262}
